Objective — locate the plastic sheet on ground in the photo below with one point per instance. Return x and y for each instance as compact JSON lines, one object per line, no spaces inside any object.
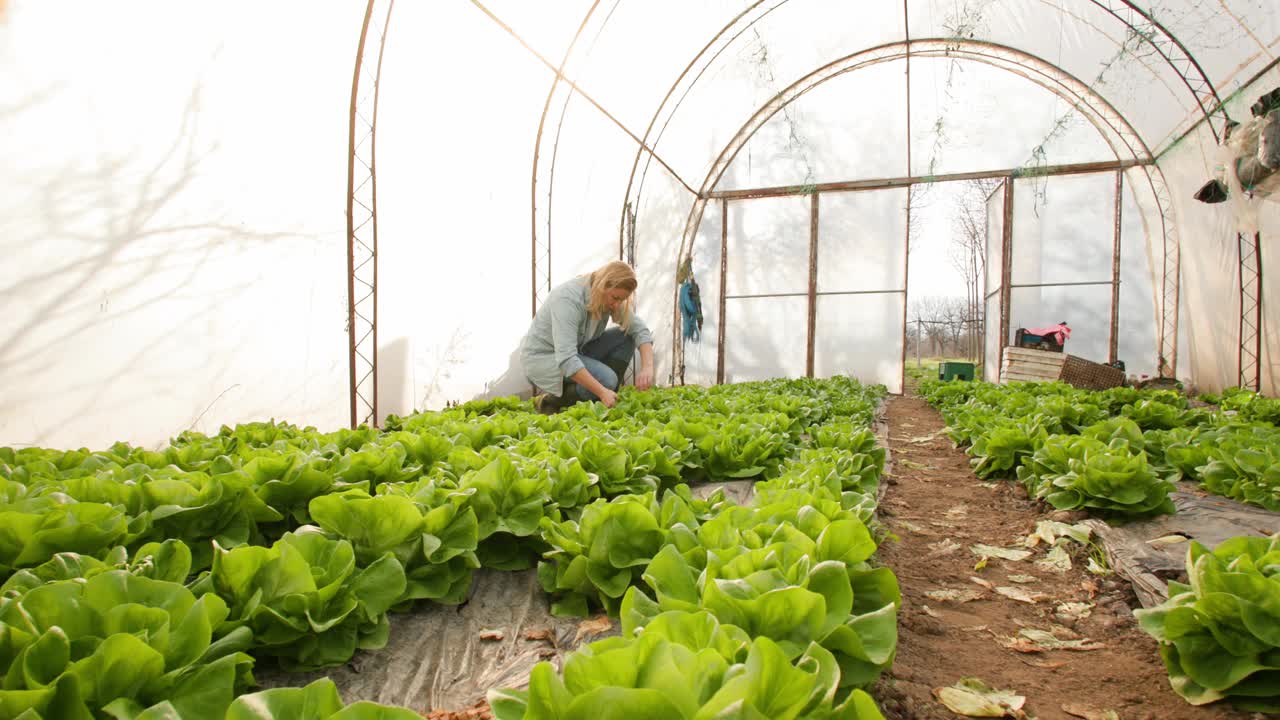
{"x":1208,"y":519}
{"x":438,"y":657}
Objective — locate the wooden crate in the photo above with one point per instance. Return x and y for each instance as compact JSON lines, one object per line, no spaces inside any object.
{"x":1027,"y":365}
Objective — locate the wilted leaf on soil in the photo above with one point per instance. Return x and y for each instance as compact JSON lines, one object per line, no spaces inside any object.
{"x":989,"y":485}
{"x":914,"y":465}
{"x":1167,"y":540}
{"x":1090,"y":586}
{"x":1097,"y":569}
{"x":491,"y":635}
{"x":1050,"y":531}
{"x":973,"y":698}
{"x":1073,"y":611}
{"x":541,"y":634}
{"x":956,"y":596}
{"x":931,"y":612}
{"x":594,"y":626}
{"x":1016,"y":593}
{"x":945,"y":546}
{"x":1023,"y":578}
{"x":1088,"y":713}
{"x":1046,"y":664}
{"x":1056,"y":561}
{"x":958,"y":512}
{"x":1049,"y":641}
{"x":982,"y":582}
{"x":1003,"y":553}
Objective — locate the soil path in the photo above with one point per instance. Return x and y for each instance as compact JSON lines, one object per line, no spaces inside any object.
{"x":938,"y":509}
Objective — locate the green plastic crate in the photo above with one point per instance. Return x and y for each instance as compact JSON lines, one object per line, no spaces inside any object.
{"x":955,"y":371}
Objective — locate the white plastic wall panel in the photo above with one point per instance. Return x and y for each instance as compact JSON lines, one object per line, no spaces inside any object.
{"x":1063,"y":229}
{"x":659,"y":220}
{"x":765,"y":338}
{"x":453,"y":208}
{"x":1210,"y":300}
{"x":701,"y":356}
{"x":768,"y":246}
{"x":967,"y":116}
{"x":860,"y":241}
{"x":1087,"y":309}
{"x":860,"y":336}
{"x":851,"y":127}
{"x":173,"y":238}
{"x":992,"y":344}
{"x":1139,"y":278}
{"x":995,"y":240}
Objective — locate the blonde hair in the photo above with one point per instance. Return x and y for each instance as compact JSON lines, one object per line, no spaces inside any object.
{"x":613,"y":275}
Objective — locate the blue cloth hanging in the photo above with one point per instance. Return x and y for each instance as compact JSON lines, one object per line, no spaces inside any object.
{"x":691,"y":309}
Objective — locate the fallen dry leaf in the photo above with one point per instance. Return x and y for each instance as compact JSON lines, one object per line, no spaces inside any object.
{"x":958,"y":512}
{"x":1048,"y":641}
{"x":1056,"y":561}
{"x":946,"y":546}
{"x":985,"y":551}
{"x":491,"y":635}
{"x":1016,"y":593}
{"x":956,"y":596}
{"x":594,"y":626}
{"x":1046,"y":664}
{"x":1167,"y":540}
{"x":971,"y":697}
{"x":542,"y":634}
{"x":982,"y":583}
{"x":1072,"y":611}
{"x":1090,"y":586}
{"x":931,"y":612}
{"x":1024,"y":579}
{"x":1088,"y":713}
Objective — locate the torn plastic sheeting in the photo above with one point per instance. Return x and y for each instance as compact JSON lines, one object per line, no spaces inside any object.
{"x":1209,"y":519}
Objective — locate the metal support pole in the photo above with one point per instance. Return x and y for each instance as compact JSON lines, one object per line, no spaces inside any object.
{"x":724,"y":273}
{"x":1249,"y":354}
{"x":1115,"y":274}
{"x":1006,"y":269}
{"x":813,"y":284}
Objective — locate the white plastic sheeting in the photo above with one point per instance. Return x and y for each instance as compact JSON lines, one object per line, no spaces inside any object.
{"x":173,"y":221}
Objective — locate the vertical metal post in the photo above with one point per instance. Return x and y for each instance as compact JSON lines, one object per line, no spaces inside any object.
{"x":1249,"y":354}
{"x":362,"y":256}
{"x":906,"y":252}
{"x":724,"y":273}
{"x":1006,"y":268}
{"x":813,"y":285}
{"x":1115,"y":273}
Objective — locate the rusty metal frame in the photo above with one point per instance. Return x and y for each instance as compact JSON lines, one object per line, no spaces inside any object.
{"x":1095,"y":108}
{"x":362,"y":218}
{"x":1177,"y":56}
{"x":1249,"y":354}
{"x":1114,"y":339}
{"x":724,"y":274}
{"x":1006,"y":272}
{"x":813,"y":285}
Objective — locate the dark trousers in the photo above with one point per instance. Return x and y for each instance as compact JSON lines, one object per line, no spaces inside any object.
{"x":606,"y":358}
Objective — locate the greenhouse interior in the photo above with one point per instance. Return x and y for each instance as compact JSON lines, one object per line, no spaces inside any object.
{"x":925,"y":365}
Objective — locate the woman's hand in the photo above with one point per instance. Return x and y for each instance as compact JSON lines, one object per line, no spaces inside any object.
{"x":644,"y":378}
{"x":608,"y":397}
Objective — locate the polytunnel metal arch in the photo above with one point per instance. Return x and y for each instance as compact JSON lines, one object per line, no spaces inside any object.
{"x":1139,"y":23}
{"x":1049,"y":76}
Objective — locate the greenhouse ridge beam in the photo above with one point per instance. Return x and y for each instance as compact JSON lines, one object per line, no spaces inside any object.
{"x":585,"y":96}
{"x":899,"y":182}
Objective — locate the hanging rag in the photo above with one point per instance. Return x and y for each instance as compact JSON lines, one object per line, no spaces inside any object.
{"x":691,"y":309}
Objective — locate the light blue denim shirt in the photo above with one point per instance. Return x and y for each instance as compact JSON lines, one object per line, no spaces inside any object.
{"x":562,"y":325}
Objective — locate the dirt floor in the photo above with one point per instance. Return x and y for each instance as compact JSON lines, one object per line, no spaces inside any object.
{"x":938,"y":509}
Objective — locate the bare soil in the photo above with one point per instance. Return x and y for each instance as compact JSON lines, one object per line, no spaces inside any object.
{"x":934,"y":503}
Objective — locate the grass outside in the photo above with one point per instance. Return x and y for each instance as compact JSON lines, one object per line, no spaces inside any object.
{"x":928,"y":368}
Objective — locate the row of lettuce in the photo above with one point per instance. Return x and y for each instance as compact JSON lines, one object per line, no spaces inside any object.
{"x":145,"y":584}
{"x":1119,"y":453}
{"x":1116,"y":451}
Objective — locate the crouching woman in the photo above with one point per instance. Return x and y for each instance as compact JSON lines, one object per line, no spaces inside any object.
{"x":570,"y":353}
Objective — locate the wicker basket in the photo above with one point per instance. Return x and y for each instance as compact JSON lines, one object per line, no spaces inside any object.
{"x":1089,"y":375}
